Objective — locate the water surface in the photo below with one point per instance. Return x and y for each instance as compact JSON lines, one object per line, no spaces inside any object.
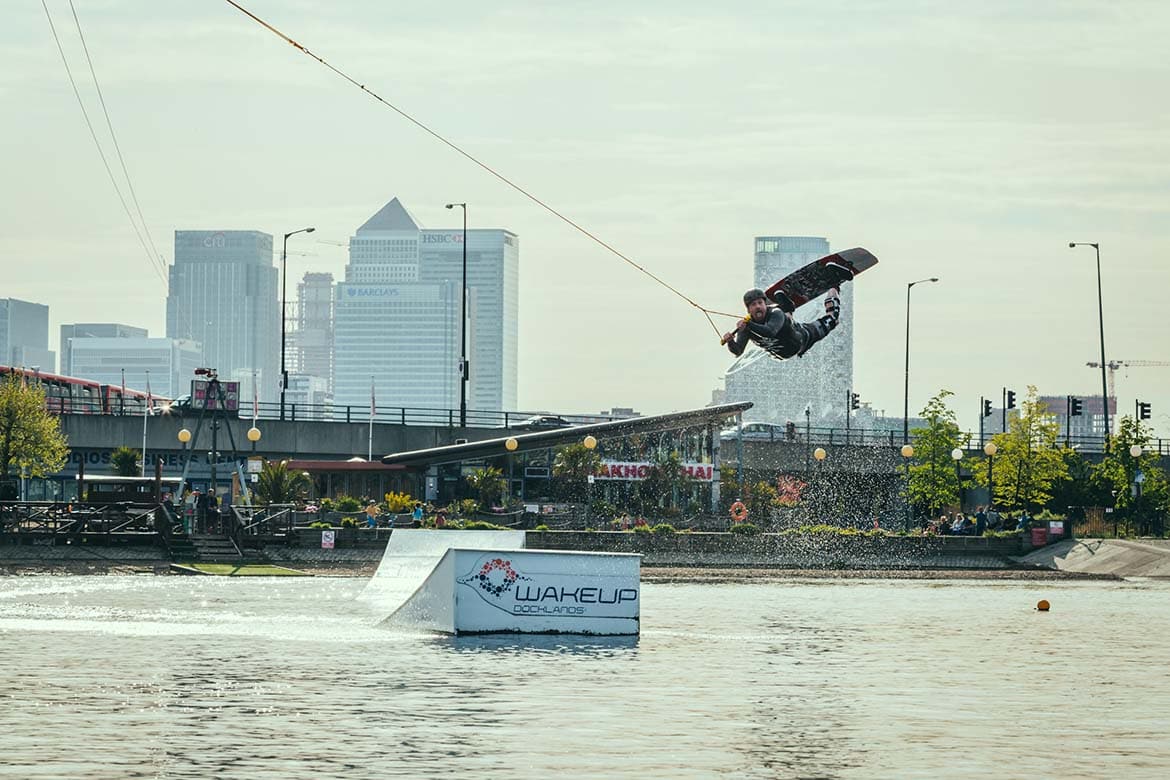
{"x":141,"y":676}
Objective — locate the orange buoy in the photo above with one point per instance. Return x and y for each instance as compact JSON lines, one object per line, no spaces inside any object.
{"x":739,"y":512}
{"x":1042,"y":605}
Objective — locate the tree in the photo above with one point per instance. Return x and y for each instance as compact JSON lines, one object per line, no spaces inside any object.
{"x":1029,"y":462}
{"x":573,"y":464}
{"x":489,"y":482}
{"x":666,"y":481}
{"x":1118,"y":473}
{"x":933,"y":479}
{"x":31,"y":441}
{"x":277,"y":484}
{"x":124,"y":462}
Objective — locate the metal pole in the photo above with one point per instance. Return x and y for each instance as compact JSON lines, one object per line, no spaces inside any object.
{"x":283,"y":324}
{"x":463,"y":337}
{"x":981,"y":442}
{"x":1101,"y":325}
{"x":906,"y":393}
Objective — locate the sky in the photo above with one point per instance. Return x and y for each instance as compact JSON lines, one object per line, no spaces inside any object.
{"x":971,"y":142}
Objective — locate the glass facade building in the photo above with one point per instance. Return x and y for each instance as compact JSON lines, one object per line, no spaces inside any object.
{"x":171,"y":363}
{"x":387,"y":321}
{"x":24,"y":335}
{"x":224,"y":293}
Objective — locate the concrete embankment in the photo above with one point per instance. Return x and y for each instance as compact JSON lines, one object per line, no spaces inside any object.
{"x":1116,"y":557}
{"x":709,"y":550}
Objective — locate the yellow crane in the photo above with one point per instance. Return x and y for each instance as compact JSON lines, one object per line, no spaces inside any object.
{"x":1112,"y":366}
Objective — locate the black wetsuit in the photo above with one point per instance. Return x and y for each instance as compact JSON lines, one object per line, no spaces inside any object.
{"x":781,"y":337}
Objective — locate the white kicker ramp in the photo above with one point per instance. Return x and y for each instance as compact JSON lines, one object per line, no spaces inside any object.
{"x":473,"y":588}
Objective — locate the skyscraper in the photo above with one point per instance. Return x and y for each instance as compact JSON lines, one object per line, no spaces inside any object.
{"x":24,"y":335}
{"x":314,"y":328}
{"x":820,"y":380}
{"x":398,"y":311}
{"x":171,"y":363}
{"x":224,"y":295}
{"x":92,"y":330}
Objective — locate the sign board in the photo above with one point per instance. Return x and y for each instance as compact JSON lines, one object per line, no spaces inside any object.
{"x":634,"y":471}
{"x":1055,"y":528}
{"x":255,"y":465}
{"x":205,"y":395}
{"x":255,"y":477}
{"x":592,"y":479}
{"x":327,"y":540}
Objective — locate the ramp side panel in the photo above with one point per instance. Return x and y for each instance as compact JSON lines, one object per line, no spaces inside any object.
{"x":412,"y":554}
{"x":527,"y":591}
{"x":432,"y":606}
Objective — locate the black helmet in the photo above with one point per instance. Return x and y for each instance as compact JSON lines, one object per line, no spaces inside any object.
{"x":752,"y":294}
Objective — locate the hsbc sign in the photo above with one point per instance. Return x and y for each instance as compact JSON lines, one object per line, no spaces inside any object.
{"x":441,"y":238}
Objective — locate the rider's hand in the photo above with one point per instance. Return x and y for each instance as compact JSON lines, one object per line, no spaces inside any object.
{"x":739,"y":326}
{"x":728,"y":336}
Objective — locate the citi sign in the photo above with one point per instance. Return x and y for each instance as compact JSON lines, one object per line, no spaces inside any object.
{"x":441,"y":238}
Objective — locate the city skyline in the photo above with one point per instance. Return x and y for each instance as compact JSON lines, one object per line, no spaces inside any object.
{"x":968,"y":144}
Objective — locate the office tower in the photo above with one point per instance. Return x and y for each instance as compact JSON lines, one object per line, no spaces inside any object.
{"x":171,"y":363}
{"x":24,"y":335}
{"x":91,"y":330}
{"x":224,"y":294}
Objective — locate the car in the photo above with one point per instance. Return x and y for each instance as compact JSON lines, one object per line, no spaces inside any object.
{"x":180,"y":407}
{"x":543,"y":422}
{"x":756,"y":431}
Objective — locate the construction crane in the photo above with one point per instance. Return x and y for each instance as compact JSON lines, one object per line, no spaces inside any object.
{"x":1113,"y":365}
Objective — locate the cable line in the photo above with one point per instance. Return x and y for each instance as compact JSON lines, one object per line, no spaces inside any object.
{"x":472,"y":158}
{"x":97,"y":143}
{"x":114,"y":136}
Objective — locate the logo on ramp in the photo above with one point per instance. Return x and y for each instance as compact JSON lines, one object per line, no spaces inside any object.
{"x":495,"y":578}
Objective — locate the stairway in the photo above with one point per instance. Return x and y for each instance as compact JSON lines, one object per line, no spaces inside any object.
{"x":215,"y":548}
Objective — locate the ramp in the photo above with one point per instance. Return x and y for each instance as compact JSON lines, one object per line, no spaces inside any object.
{"x":1117,"y":557}
{"x":412,"y":554}
{"x":438,"y":581}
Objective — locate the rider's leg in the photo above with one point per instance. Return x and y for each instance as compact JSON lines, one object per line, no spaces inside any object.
{"x":819,"y":328}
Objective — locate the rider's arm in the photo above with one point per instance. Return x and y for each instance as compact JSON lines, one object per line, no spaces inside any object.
{"x":737,"y":343}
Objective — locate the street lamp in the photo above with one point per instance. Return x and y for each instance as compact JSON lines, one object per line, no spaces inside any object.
{"x":463,"y":326}
{"x":906,"y":397}
{"x":253,"y":436}
{"x":907,"y":453}
{"x":283,"y":303}
{"x":989,"y":449}
{"x":1101,"y":325}
{"x":956,"y":456}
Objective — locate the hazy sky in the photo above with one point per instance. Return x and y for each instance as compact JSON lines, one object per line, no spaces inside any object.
{"x":969,"y":141}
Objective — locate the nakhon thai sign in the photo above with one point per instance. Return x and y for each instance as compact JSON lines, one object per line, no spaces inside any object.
{"x":633,"y":471}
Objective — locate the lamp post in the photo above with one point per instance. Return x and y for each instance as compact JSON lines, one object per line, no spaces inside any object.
{"x":956,"y":456}
{"x":253,"y":436}
{"x":1101,"y":326}
{"x":1135,"y":452}
{"x":463,"y":326}
{"x":907,"y":453}
{"x":283,"y":304}
{"x":906,"y":397}
{"x":989,"y":449}
{"x":589,"y":443}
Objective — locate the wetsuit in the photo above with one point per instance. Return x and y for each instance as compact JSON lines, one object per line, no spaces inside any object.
{"x":783,"y":338}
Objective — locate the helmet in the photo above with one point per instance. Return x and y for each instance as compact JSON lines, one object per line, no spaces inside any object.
{"x":752,"y":294}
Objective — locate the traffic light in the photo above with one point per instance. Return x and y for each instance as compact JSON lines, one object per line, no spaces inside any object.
{"x":1011,"y":400}
{"x":1074,"y":406}
{"x":854,"y":401}
{"x":1143,"y":410}
{"x":986,"y":407}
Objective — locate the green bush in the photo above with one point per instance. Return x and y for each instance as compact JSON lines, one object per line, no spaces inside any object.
{"x":326,"y":505}
{"x":1003,"y":534}
{"x":663,"y":528}
{"x":541,"y":527}
{"x":347,"y":504}
{"x":482,"y":525}
{"x":321,"y":525}
{"x":350,"y":522}
{"x":746,"y":529}
{"x":641,"y":529}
